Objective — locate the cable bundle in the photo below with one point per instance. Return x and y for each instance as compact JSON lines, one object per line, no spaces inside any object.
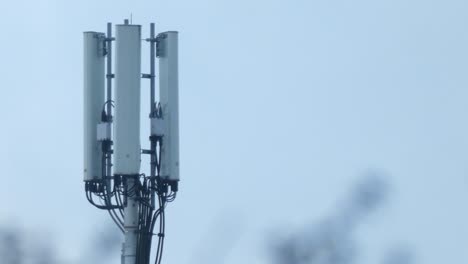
{"x":113,"y":191}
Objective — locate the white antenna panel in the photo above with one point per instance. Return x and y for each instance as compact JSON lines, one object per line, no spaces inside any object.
{"x":167,"y":51}
{"x":127,"y":100}
{"x":93,"y":102}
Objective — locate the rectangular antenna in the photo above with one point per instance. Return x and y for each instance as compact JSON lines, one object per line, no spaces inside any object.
{"x":167,"y":51}
{"x":127,"y":99}
{"x":93,"y":84}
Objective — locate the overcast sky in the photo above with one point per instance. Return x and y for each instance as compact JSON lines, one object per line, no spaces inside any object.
{"x":283,"y":104}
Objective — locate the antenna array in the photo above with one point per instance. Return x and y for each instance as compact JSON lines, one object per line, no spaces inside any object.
{"x":112,"y":152}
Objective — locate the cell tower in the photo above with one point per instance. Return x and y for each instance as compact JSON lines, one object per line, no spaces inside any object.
{"x":112,"y":152}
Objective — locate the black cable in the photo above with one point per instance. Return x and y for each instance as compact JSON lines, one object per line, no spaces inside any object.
{"x":144,"y":191}
{"x":141,"y":245}
{"x":108,"y":102}
{"x":163,"y":230}
{"x":118,"y":222}
{"x":146,"y":236}
{"x":145,"y":224}
{"x":90,"y":199}
{"x":119,"y":203}
{"x":161,"y":233}
{"x":107,"y":198}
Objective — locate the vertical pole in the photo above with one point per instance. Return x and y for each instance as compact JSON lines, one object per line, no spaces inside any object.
{"x":129,"y":250}
{"x":109,"y":99}
{"x":152,"y":42}
{"x":109,"y":69}
{"x":152,"y":67}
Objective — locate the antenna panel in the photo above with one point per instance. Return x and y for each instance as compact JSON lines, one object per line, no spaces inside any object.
{"x":93,"y":84}
{"x":127,"y":100}
{"x":167,"y":51}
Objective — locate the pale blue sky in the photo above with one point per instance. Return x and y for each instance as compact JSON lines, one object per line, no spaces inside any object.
{"x":295,"y":97}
